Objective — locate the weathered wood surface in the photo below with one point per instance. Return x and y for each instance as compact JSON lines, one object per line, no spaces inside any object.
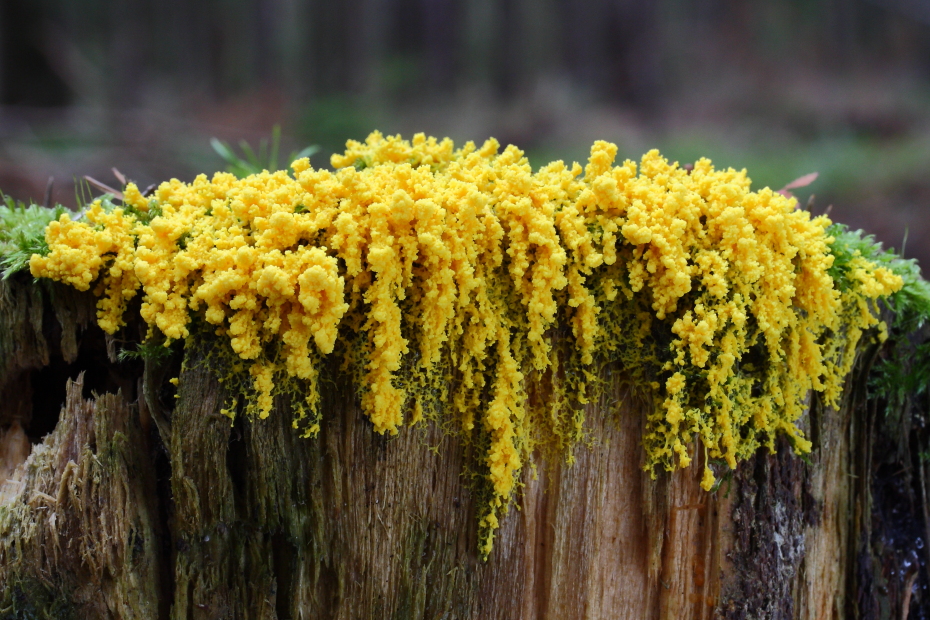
{"x":101,"y":518}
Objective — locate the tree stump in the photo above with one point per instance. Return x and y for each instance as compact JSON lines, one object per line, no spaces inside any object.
{"x":111,"y":510}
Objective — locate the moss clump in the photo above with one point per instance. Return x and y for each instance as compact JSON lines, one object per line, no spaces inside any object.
{"x":22,"y":233}
{"x":903,"y":370}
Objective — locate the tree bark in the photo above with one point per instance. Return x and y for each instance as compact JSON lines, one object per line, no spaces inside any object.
{"x":143,"y":503}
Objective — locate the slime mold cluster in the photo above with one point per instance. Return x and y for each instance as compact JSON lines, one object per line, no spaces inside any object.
{"x":459,"y":285}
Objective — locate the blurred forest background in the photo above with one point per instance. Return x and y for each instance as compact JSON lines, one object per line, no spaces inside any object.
{"x":781,"y":87}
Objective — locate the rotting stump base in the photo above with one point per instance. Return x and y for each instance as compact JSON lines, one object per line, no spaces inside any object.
{"x":104,"y":519}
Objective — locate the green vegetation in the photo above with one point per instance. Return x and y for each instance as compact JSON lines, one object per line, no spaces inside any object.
{"x":252,"y":161}
{"x":902,"y":370}
{"x":22,"y":233}
{"x":148,"y":350}
{"x":911,"y":305}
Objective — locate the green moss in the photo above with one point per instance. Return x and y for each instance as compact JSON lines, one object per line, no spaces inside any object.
{"x":903,"y":369}
{"x":148,"y":350}
{"x":22,"y":233}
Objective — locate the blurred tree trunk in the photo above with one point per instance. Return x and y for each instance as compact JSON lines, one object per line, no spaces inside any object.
{"x":126,"y":511}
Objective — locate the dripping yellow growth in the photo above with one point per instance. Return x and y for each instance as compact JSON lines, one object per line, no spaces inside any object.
{"x":462,"y":265}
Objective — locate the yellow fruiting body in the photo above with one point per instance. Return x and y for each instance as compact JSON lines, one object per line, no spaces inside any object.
{"x":457,"y":268}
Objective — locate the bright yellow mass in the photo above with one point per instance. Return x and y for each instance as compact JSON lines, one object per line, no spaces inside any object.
{"x":465,"y":280}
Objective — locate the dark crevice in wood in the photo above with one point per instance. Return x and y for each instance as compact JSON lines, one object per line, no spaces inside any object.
{"x":160,"y":461}
{"x":283,"y":560}
{"x":48,"y":383}
{"x":543,"y":537}
{"x":891,"y":577}
{"x":49,"y":338}
{"x":237,"y":465}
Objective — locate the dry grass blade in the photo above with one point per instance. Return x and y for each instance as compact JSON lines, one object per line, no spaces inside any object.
{"x":802,"y":181}
{"x":103,"y":187}
{"x":119,"y":176}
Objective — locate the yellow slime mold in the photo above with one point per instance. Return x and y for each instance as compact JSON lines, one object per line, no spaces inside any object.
{"x":462,"y":265}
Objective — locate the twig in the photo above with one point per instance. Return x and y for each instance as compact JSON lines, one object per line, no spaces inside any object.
{"x":103,"y":187}
{"x":802,"y":181}
{"x":119,"y":176}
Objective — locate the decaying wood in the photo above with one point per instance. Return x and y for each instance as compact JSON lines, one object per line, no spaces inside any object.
{"x":112,"y":516}
{"x":78,"y":520}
